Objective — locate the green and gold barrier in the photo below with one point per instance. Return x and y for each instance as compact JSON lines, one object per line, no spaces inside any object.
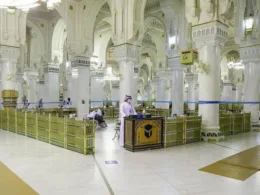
{"x":237,"y":124}
{"x":182,"y":130}
{"x":31,"y":125}
{"x":225,"y":123}
{"x":193,"y":129}
{"x":174,"y":132}
{"x":232,"y":124}
{"x":247,"y":122}
{"x":78,"y":136}
{"x":21,"y":123}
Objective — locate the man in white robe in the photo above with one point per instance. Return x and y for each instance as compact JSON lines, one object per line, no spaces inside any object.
{"x":126,"y":109}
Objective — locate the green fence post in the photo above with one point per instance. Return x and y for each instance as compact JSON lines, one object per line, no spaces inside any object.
{"x":49,"y":128}
{"x":36,"y":126}
{"x":85,"y":136}
{"x":93,"y":137}
{"x":184,"y":130}
{"x":25,"y":123}
{"x":65,"y":132}
{"x":7,"y":120}
{"x":15,"y":116}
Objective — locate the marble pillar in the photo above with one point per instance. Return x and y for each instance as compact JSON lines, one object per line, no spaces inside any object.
{"x":209,"y":46}
{"x":177,"y":85}
{"x":19,"y":88}
{"x":127,"y":56}
{"x":163,"y":89}
{"x":177,"y":91}
{"x":52,"y":85}
{"x":115,"y":94}
{"x":96,"y":88}
{"x":8,"y":61}
{"x":250,"y":55}
{"x":227,"y":94}
{"x":239,"y":93}
{"x":251,"y":93}
{"x":135,"y":85}
{"x":68,"y":91}
{"x":192,"y":80}
{"x":31,"y":78}
{"x":40,"y":89}
{"x":81,"y":84}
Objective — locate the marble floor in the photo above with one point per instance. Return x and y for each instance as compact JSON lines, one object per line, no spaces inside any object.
{"x":51,"y":170}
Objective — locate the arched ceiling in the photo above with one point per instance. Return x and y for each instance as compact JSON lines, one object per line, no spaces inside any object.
{"x":43,"y":13}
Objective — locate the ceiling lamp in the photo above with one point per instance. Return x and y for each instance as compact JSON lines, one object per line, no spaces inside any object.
{"x":235,"y":65}
{"x":109,"y":75}
{"x":249,"y":24}
{"x":25,"y":5}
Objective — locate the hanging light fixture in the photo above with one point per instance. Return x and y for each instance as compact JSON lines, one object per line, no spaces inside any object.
{"x":109,"y":76}
{"x":238,"y":65}
{"x":25,"y":5}
{"x":249,"y":21}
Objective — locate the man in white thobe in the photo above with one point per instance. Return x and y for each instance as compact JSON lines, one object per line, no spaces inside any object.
{"x":126,"y":109}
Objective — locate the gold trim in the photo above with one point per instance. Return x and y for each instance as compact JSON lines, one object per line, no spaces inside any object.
{"x":209,"y":23}
{"x":127,"y":44}
{"x":1,"y":45}
{"x":250,"y":46}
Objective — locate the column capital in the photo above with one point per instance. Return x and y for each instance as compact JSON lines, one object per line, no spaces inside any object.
{"x":32,"y":75}
{"x":9,"y":53}
{"x":19,"y":77}
{"x":210,"y":33}
{"x":80,"y":62}
{"x":175,"y":64}
{"x":127,"y":52}
{"x":51,"y":68}
{"x":250,"y":53}
{"x":97,"y":73}
{"x":163,"y":74}
{"x":191,"y":78}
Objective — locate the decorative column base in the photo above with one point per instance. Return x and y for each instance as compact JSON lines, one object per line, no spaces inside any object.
{"x":255,"y":127}
{"x":212,"y":134}
{"x":9,"y":99}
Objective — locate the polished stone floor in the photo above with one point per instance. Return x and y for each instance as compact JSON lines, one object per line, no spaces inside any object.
{"x":52,"y":170}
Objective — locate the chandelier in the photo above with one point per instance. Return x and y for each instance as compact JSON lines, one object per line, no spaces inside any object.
{"x":25,"y":5}
{"x":235,"y":65}
{"x":110,"y":76}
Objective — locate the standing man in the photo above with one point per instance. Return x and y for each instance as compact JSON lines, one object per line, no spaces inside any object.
{"x":126,"y":109}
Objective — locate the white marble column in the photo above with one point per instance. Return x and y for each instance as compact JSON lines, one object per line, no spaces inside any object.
{"x":227,"y":94}
{"x":81,"y":84}
{"x":234,"y":92}
{"x":209,"y":47}
{"x":251,"y":87}
{"x":96,"y":88}
{"x":128,"y":57}
{"x":126,"y":84}
{"x":177,"y":85}
{"x":8,"y":61}
{"x":115,"y":94}
{"x":192,"y":80}
{"x":163,"y":92}
{"x":239,"y":93}
{"x":135,"y":85}
{"x":51,"y":85}
{"x":153,"y":89}
{"x":18,"y":87}
{"x":31,"y":77}
{"x":177,"y":91}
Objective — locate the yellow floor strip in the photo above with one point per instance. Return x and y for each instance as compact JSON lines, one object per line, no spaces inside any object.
{"x":11,"y":184}
{"x":239,"y":166}
{"x":231,"y":171}
{"x":249,"y":158}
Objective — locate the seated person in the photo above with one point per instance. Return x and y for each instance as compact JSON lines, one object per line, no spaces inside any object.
{"x":97,"y":115}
